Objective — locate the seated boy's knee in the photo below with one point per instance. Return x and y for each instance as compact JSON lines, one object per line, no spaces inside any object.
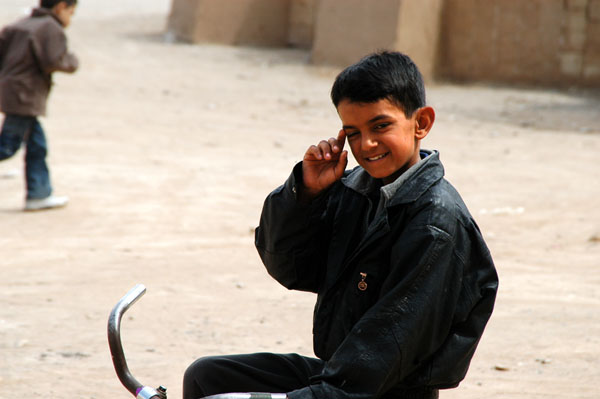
{"x":200,"y":369}
{"x":197,"y":377}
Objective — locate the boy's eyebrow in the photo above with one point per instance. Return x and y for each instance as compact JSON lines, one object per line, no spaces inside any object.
{"x":374,"y":119}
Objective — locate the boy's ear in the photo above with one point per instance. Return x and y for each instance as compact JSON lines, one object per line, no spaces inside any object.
{"x":424,"y":119}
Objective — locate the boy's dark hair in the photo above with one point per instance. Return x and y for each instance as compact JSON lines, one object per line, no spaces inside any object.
{"x":383,"y":75}
{"x":52,"y":3}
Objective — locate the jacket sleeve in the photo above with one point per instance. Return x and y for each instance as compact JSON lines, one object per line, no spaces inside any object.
{"x":50,"y":49}
{"x":418,"y":316}
{"x":288,"y":238}
{"x":3,"y":44}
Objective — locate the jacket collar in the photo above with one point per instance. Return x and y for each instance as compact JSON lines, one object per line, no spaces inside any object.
{"x":407,"y":188}
{"x":43,"y":12}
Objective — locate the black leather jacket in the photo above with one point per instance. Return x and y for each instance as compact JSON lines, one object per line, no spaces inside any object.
{"x":402,"y":301}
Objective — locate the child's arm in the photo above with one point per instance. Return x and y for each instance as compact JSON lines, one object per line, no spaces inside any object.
{"x":292,"y":237}
{"x":52,"y":54}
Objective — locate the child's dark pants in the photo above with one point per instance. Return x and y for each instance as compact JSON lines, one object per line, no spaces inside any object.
{"x":17,"y":129}
{"x":258,"y":372}
{"x":261,"y":372}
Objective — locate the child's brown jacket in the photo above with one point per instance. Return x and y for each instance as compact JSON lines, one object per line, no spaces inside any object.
{"x":30,"y":50}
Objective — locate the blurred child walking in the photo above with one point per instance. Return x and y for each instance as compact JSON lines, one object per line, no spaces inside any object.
{"x":31,"y":49}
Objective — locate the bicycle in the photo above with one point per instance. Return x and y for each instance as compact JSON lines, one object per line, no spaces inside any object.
{"x":137,"y":389}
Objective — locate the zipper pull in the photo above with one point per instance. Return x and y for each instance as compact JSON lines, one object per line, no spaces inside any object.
{"x":362,"y":284}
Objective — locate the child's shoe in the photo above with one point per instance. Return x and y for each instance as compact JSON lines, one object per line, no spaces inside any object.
{"x":45,"y":203}
{"x":9,"y":174}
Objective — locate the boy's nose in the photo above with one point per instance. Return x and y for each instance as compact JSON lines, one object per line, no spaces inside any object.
{"x":368,"y":141}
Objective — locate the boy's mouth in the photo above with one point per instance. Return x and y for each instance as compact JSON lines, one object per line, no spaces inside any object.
{"x":377,"y":157}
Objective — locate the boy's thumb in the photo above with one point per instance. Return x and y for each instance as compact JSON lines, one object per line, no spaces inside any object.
{"x":342,"y":162}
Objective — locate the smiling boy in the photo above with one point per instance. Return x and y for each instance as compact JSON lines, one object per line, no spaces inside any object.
{"x":404,"y":281}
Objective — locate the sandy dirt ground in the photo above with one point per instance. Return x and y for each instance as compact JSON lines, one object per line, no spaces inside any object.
{"x":167,"y":152}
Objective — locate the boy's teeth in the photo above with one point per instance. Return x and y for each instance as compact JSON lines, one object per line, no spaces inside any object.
{"x":376,"y":158}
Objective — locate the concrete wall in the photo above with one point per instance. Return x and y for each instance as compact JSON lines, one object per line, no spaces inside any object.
{"x":590,"y":53}
{"x":551,"y":42}
{"x":418,"y":33}
{"x":302,"y":22}
{"x":346,"y":30}
{"x":243,"y":22}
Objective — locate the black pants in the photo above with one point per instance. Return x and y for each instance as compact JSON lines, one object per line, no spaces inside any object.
{"x":262,"y":372}
{"x":258,"y":372}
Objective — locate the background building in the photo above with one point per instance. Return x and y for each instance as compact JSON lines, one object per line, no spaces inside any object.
{"x":548,"y":42}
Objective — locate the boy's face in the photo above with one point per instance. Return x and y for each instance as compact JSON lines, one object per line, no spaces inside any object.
{"x":64,"y":12}
{"x":382,"y":139}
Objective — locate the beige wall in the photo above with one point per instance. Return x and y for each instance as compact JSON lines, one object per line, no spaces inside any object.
{"x":244,"y":22}
{"x":302,"y":22}
{"x":591,"y":51}
{"x":346,"y":30}
{"x":418,"y":33}
{"x":550,"y":42}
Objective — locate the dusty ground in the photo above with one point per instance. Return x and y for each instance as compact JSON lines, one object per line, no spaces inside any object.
{"x":167,"y":151}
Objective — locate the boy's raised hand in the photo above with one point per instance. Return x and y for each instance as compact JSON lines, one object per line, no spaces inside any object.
{"x":323,"y":164}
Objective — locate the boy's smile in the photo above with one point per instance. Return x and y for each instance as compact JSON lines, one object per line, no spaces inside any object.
{"x":382,"y":139}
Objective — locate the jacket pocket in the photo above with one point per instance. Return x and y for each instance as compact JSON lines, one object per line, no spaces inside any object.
{"x":21,"y":89}
{"x":362,"y":292}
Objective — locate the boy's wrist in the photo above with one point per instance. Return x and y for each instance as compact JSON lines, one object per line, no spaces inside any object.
{"x":305,"y":195}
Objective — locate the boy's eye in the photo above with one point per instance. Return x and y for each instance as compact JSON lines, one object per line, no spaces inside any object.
{"x":349,"y":135}
{"x":381,"y":126}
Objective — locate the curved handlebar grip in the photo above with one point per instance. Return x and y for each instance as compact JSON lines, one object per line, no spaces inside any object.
{"x":114,"y":338}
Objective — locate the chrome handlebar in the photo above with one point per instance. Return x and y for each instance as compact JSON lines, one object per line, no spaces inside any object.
{"x":129,"y":382}
{"x":116,"y":348}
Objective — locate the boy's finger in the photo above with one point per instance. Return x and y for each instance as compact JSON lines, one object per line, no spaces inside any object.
{"x":313,"y":152}
{"x":334,"y":144}
{"x":341,"y":138}
{"x":326,"y":149}
{"x":341,"y":165}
